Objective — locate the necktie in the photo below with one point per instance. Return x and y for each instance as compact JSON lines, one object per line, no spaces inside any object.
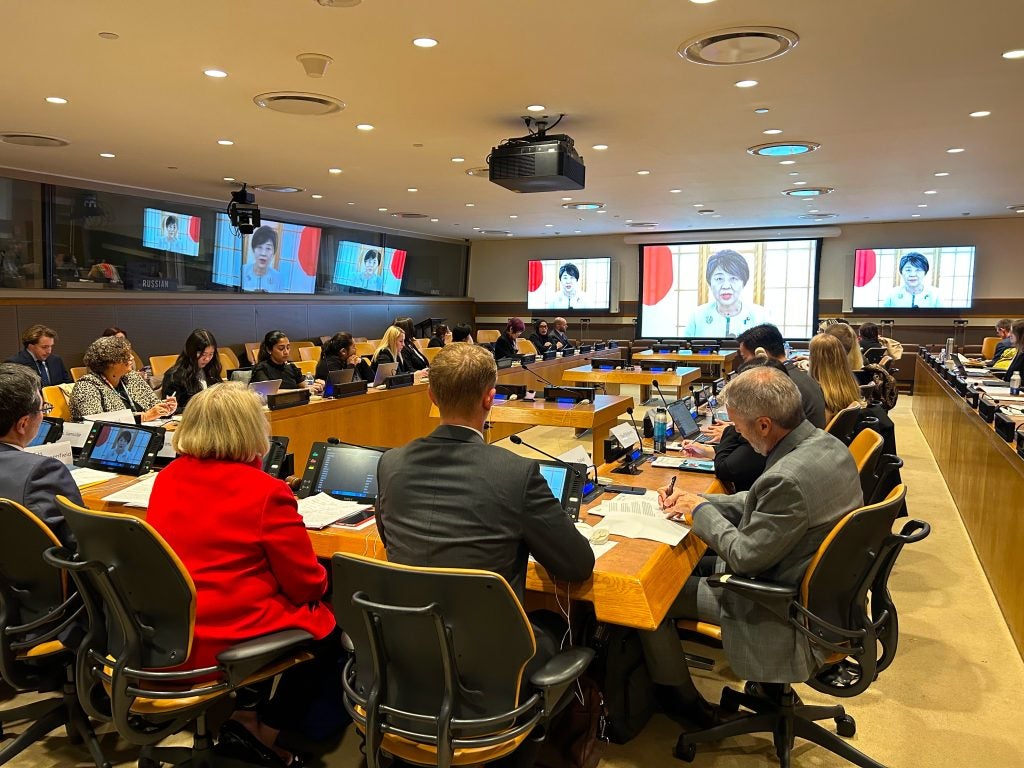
{"x":43,"y":373}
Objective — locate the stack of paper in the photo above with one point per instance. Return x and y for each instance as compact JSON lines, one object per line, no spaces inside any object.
{"x":135,"y":495}
{"x":323,"y":510}
{"x":640,"y":518}
{"x":84,"y":476}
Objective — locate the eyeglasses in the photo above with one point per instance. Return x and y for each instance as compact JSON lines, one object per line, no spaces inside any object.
{"x":45,"y":408}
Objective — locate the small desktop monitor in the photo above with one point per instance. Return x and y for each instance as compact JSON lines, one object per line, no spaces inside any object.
{"x":345,"y":472}
{"x":127,"y":449}
{"x":50,"y":431}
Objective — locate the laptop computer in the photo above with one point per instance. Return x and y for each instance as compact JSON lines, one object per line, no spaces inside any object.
{"x":265,"y":388}
{"x":384,"y":370}
{"x":686,"y":427}
{"x":243,"y":375}
{"x":344,"y":376}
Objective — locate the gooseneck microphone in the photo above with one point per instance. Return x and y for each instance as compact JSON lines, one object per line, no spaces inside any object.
{"x":590,"y":495}
{"x":654,"y":383}
{"x":336,"y":441}
{"x":549,"y":382}
{"x":517,"y":440}
{"x":639,"y":437}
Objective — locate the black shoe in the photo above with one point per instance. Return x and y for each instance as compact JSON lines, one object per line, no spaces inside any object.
{"x":235,"y":741}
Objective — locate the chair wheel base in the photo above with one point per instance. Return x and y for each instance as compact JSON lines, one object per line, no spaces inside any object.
{"x":685,"y":751}
{"x":846,"y":726}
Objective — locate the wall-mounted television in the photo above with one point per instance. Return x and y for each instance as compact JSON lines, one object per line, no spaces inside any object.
{"x":914,"y":278}
{"x":276,"y":258}
{"x":717,"y":290}
{"x":369,"y":268}
{"x":568,"y":284}
{"x":170,"y":231}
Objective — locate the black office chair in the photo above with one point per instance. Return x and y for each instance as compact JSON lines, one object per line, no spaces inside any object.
{"x":844,"y":423}
{"x":832,"y":608}
{"x":141,"y":604}
{"x":36,"y":610}
{"x":437,"y":674}
{"x":875,"y":355}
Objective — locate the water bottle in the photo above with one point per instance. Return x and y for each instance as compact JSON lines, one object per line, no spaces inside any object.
{"x":789,"y":350}
{"x":310,"y":381}
{"x":660,"y":429}
{"x":949,"y":347}
{"x":1014,"y":384}
{"x":712,"y":406}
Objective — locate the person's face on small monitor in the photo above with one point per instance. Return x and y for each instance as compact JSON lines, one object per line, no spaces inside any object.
{"x":569,"y":283}
{"x":370,"y":264}
{"x":123,"y":442}
{"x":264,"y":254}
{"x":280,"y":352}
{"x":913,"y":276}
{"x":172,"y":230}
{"x":206,"y":356}
{"x":725,"y":288}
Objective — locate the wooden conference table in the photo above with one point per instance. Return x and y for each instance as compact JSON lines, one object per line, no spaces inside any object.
{"x":718,"y":364}
{"x":678,"y":377}
{"x":633,"y":584}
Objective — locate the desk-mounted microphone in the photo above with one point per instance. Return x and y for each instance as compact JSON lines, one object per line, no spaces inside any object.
{"x":571,"y":501}
{"x":578,"y":394}
{"x":336,"y":441}
{"x":654,"y":383}
{"x":635,"y":454}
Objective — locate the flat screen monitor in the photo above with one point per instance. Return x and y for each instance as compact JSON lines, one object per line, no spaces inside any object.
{"x":914,"y":278}
{"x":50,"y":431}
{"x":127,"y":449}
{"x":346,"y":472}
{"x":170,"y":231}
{"x":369,"y":268}
{"x":277,"y":258}
{"x":568,"y":284}
{"x":717,"y":290}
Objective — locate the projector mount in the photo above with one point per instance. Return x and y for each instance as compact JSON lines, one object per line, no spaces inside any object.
{"x":538,"y":131}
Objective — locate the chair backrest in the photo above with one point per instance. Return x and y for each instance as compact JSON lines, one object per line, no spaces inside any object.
{"x":844,"y":422}
{"x":306,"y":366}
{"x":78,"y":371}
{"x":252,"y":351}
{"x":55,"y":396}
{"x":148,"y":598}
{"x":874,"y":355}
{"x":865,"y":449}
{"x":364,"y":348}
{"x":886,"y":476}
{"x":527,"y":347}
{"x":988,"y":347}
{"x":409,"y":624}
{"x":302,"y":344}
{"x":488,"y":336}
{"x":310,"y":353}
{"x":228,"y":358}
{"x":162,"y":363}
{"x":430,"y":353}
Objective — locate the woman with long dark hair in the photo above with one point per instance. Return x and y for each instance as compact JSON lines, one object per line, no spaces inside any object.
{"x":272,"y":363}
{"x":197,"y":367}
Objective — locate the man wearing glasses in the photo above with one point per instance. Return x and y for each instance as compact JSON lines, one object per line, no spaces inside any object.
{"x":27,"y":478}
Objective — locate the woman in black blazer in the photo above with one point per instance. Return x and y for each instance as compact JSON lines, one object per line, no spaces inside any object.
{"x":412,"y":357}
{"x":507,"y":344}
{"x":390,"y":350}
{"x":540,"y":339}
{"x":273,"y":364}
{"x":197,"y":367}
{"x":339,"y":354}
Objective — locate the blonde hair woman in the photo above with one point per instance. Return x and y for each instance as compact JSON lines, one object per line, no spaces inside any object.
{"x":390,"y":350}
{"x":851,"y":344}
{"x":830,"y":367}
{"x":238,"y":532}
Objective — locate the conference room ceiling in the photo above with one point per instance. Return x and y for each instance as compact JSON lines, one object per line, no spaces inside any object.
{"x":886,"y":88}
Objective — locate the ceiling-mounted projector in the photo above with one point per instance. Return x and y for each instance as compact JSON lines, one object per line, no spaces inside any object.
{"x":538,"y":162}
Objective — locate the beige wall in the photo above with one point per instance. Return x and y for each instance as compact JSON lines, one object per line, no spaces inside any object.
{"x":497,"y":270}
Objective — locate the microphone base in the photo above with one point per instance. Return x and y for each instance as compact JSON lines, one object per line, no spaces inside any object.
{"x":598,"y":490}
{"x":629,"y":468}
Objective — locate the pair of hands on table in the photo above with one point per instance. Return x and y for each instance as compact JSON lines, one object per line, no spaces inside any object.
{"x":678,"y":505}
{"x":705,"y":450}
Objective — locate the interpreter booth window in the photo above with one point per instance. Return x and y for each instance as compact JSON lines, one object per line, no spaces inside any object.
{"x":21,"y":249}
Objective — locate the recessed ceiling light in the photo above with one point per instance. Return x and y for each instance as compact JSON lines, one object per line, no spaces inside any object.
{"x":698,"y":205}
{"x":56,"y":100}
{"x":566,"y":199}
{"x":477,"y":229}
{"x":702,"y":2}
{"x":931,"y":192}
{"x":109,"y":35}
{"x":549,"y":225}
{"x":382,"y":210}
{"x":583,"y":206}
{"x":746,"y":83}
{"x":675,"y":191}
{"x":412,"y":189}
{"x":107,"y":155}
{"x":600,"y":147}
{"x":915,"y":215}
{"x":787,"y":162}
{"x":772,"y":131}
{"x":799,"y":183}
{"x":350,"y":202}
{"x":643,"y":173}
{"x":317,"y":197}
{"x":761,"y":111}
{"x":458,"y":159}
{"x":535,"y":108}
{"x":783,"y":148}
{"x":424,"y":42}
{"x":364,"y":127}
{"x":335,"y":171}
{"x":229,"y":178}
{"x":225,"y":142}
{"x":808,"y":191}
{"x":435,"y":220}
{"x":1014,"y":54}
{"x":794,"y":173}
{"x":716,"y":215}
{"x":602,"y":211}
{"x":216,"y":73}
{"x":922,"y":205}
{"x":942,"y":173}
{"x":955,"y":150}
{"x":981,"y":113}
{"x":513,"y":216}
{"x":813,"y":210}
{"x":471,"y":205}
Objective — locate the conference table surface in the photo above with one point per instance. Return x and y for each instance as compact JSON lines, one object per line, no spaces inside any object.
{"x":679,"y":378}
{"x":633,"y":584}
{"x":722,"y":360}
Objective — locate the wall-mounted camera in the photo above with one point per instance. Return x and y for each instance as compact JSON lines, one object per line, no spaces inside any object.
{"x":243,"y":213}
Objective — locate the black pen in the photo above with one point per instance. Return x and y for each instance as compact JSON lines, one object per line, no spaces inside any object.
{"x":671,"y":486}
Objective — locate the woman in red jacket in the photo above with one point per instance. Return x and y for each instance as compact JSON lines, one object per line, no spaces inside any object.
{"x":249,"y":556}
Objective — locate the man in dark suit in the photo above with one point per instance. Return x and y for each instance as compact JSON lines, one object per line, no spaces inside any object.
{"x":770,"y":339}
{"x":558,"y":333}
{"x":38,"y":342}
{"x":31,"y":480}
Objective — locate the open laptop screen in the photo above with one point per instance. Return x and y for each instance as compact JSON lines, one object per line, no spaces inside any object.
{"x":679,"y":411}
{"x":346,"y":472}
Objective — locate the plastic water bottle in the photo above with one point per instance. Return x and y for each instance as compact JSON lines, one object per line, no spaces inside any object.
{"x":712,"y":406}
{"x":310,"y":381}
{"x":789,"y":350}
{"x":1015,"y":383}
{"x":660,"y":429}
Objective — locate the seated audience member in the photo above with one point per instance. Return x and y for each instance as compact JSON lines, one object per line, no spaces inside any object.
{"x":112,"y":385}
{"x":390,"y":350}
{"x":770,"y":532}
{"x":339,"y":354}
{"x":848,"y":337}
{"x":37,"y":344}
{"x":539,"y":338}
{"x":104,"y":272}
{"x":28,"y":478}
{"x":558,"y":333}
{"x":463,"y":332}
{"x":507,"y":344}
{"x":1006,"y":341}
{"x":411,"y":355}
{"x":114,"y":331}
{"x":197,"y":367}
{"x":830,"y":367}
{"x":272,"y":363}
{"x":768,"y":336}
{"x":1016,"y":364}
{"x":869,"y":339}
{"x":433,"y":510}
{"x":251,"y":560}
{"x":442,"y":336}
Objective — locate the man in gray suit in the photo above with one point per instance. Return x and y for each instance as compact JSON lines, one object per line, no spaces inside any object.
{"x":771,"y":531}
{"x":451,"y":500}
{"x":31,"y":480}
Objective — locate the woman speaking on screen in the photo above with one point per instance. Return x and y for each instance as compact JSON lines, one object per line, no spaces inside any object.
{"x":913,"y":291}
{"x":728,"y":313}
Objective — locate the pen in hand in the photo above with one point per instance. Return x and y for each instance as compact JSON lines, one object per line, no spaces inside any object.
{"x":671,"y":486}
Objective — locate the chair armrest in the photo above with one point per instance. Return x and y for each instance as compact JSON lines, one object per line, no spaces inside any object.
{"x":242,"y":660}
{"x":555,"y":677}
{"x":775,"y":597}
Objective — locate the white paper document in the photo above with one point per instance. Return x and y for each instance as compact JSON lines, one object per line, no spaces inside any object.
{"x":123,"y":416}
{"x":135,"y":495}
{"x":639,"y":517}
{"x":60,"y":450}
{"x":323,"y":510}
{"x":84,"y":476}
